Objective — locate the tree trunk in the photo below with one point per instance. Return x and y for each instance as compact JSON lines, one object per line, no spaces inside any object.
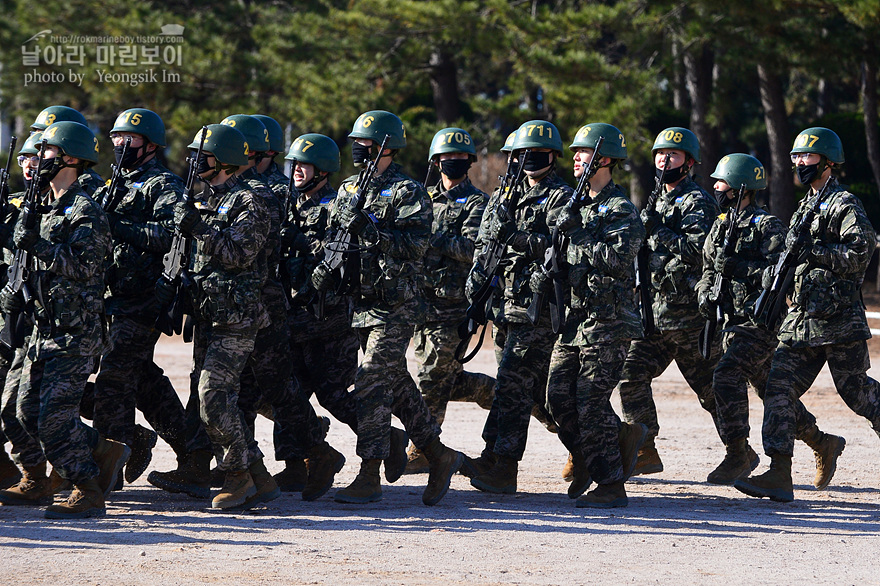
{"x":780,"y":183}
{"x":869,"y":110}
{"x":699,"y":68}
{"x":444,"y":84}
{"x":679,"y":97}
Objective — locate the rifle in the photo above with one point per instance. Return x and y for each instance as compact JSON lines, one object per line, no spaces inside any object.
{"x":110,"y":200}
{"x":4,"y":180}
{"x":771,"y":304}
{"x":712,"y":322}
{"x":554,"y":257}
{"x":13,"y":333}
{"x":643,"y":267}
{"x":490,"y":259}
{"x":175,"y":262}
{"x":340,"y":253}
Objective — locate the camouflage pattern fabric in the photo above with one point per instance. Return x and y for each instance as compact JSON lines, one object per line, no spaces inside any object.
{"x":26,"y":450}
{"x":276,"y":180}
{"x":90,"y":182}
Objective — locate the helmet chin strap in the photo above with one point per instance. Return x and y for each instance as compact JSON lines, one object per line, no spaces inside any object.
{"x":313,"y":182}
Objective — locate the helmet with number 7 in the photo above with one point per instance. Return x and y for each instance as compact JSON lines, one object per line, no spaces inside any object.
{"x":538,"y":134}
{"x":452,"y":140}
{"x":820,"y":141}
{"x":680,"y":139}
{"x":739,"y":170}
{"x":141,"y":121}
{"x":376,"y":124}
{"x":226,"y":143}
{"x":315,"y":149}
{"x":613,"y":145}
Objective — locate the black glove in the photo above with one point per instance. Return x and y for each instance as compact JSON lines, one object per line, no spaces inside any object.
{"x":186,"y":217}
{"x":10,"y":302}
{"x":725,"y":265}
{"x":353,"y":220}
{"x":292,"y":238}
{"x":116,"y":197}
{"x":539,"y":282}
{"x":501,"y":229}
{"x":26,"y":239}
{"x":651,"y":219}
{"x":165,"y":291}
{"x":569,"y":220}
{"x":322,"y":277}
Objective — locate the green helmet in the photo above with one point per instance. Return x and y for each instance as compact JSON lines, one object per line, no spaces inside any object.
{"x":613,"y":146}
{"x":226,"y":143}
{"x":452,"y":140}
{"x":57,"y":114}
{"x":316,"y":149}
{"x":739,"y":170}
{"x":375,"y":124}
{"x":30,"y":146}
{"x":254,"y":131}
{"x":821,"y":141}
{"x":508,"y":143}
{"x":141,"y":121}
{"x":74,"y":140}
{"x":276,"y":135}
{"x":680,"y":139}
{"x":538,"y":134}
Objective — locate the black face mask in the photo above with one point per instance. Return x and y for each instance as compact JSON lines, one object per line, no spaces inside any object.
{"x":537,"y":161}
{"x":49,"y":171}
{"x":360,"y":154}
{"x":672,"y":175}
{"x":722,"y":199}
{"x":202,"y":165}
{"x":807,"y":173}
{"x":133,"y":156}
{"x":455,"y":168}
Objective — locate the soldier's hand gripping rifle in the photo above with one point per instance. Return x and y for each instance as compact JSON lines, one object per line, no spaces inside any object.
{"x":111,"y":198}
{"x":13,"y":333}
{"x":554,"y":257}
{"x":4,"y":180}
{"x":643,"y":267}
{"x":771,"y":304}
{"x":716,"y":318}
{"x":341,"y":253}
{"x":490,"y":259}
{"x":176,"y":260}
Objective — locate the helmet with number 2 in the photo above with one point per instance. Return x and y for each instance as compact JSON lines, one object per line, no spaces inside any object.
{"x":613,"y":143}
{"x":226,"y":143}
{"x":739,"y":170}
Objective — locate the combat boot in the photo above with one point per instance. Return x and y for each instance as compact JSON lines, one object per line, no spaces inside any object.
{"x":775,"y":483}
{"x":648,"y":461}
{"x":395,"y":463}
{"x":501,"y":479}
{"x":192,"y":476}
{"x":9,"y":472}
{"x":737,"y":463}
{"x":473,"y":467}
{"x":631,"y":439}
{"x":323,"y":464}
{"x":294,"y":476}
{"x":416,"y":462}
{"x":568,"y":469}
{"x":237,"y":489}
{"x":580,"y":476}
{"x":267,"y":489}
{"x":365,"y":488}
{"x":110,"y":456}
{"x":444,"y":462}
{"x":85,"y":500}
{"x":142,"y":444}
{"x":826,"y":449}
{"x":604,"y":496}
{"x":34,"y":488}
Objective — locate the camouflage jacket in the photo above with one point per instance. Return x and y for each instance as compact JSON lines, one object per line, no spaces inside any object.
{"x":392,"y":250}
{"x":277,"y":181}
{"x":826,"y":296}
{"x":226,"y":275}
{"x":457,"y":215}
{"x":601,"y":272}
{"x":90,"y":182}
{"x":676,"y":259}
{"x":71,"y":258}
{"x":759,"y":241}
{"x":142,"y":228}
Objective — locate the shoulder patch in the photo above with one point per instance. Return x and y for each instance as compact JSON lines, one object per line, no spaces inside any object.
{"x":16,"y":201}
{"x":756,"y":219}
{"x":679,"y":199}
{"x":603,"y":209}
{"x":351,"y":188}
{"x":327,"y":199}
{"x":541,"y":201}
{"x":387,"y":192}
{"x":224,"y":209}
{"x":722,"y":216}
{"x":461,"y":200}
{"x":137,"y":184}
{"x":67,"y":210}
{"x":823,"y":205}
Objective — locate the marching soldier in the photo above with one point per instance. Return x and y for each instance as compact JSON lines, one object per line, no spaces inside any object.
{"x":266,"y":165}
{"x":89,"y":180}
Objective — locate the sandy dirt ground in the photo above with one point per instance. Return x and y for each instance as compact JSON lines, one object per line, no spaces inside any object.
{"x":677,"y":528}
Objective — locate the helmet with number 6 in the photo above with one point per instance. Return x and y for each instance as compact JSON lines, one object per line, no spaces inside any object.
{"x":376,"y":124}
{"x":73,"y":139}
{"x":226,"y":143}
{"x":538,"y":134}
{"x":315,"y":149}
{"x":821,"y":141}
{"x":613,"y":145}
{"x":452,"y":140}
{"x":739,"y":170}
{"x":57,"y":114}
{"x":141,"y":121}
{"x":254,"y":131}
{"x":680,"y":139}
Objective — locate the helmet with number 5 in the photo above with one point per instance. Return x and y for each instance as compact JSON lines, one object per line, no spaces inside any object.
{"x":141,"y":121}
{"x":821,"y":141}
{"x":376,"y":124}
{"x":680,"y":139}
{"x":452,"y":140}
{"x":739,"y":170}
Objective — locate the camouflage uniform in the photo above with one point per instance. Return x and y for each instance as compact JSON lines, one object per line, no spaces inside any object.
{"x":590,"y":351}
{"x":90,"y":182}
{"x":826,"y":322}
{"x":457,"y":215}
{"x":142,"y":224}
{"x":70,"y":332}
{"x":676,"y":247}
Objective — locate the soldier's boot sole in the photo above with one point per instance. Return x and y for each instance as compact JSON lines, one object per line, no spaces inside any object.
{"x":326,"y":470}
{"x":440,"y":477}
{"x":13,"y":500}
{"x":195,"y":490}
{"x":631,"y":438}
{"x":826,"y":460}
{"x":141,"y":453}
{"x":358,"y":500}
{"x":766,"y":485}
{"x":395,"y":463}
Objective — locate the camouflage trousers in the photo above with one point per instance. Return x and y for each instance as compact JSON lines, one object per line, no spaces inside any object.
{"x":793,"y":372}
{"x":129,"y":379}
{"x":26,"y":450}
{"x":48,"y":410}
{"x":220,"y":353}
{"x":649,"y":357}
{"x":581,"y":381}
{"x":384,"y":386}
{"x":747,"y":355}
{"x":4,"y":372}
{"x":521,"y":383}
{"x":441,"y":376}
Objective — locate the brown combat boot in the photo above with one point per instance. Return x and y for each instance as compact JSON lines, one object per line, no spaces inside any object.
{"x":9,"y":472}
{"x":416,"y":462}
{"x":604,"y":496}
{"x":501,"y":479}
{"x":568,"y":469}
{"x":294,"y":476}
{"x":34,"y":488}
{"x":238,"y":488}
{"x":648,"y":461}
{"x":775,"y":483}
{"x":323,"y":464}
{"x":444,"y":463}
{"x":631,"y":439}
{"x":826,"y":449}
{"x":85,"y":500}
{"x":580,"y":476}
{"x":473,"y":467}
{"x":192,"y":476}
{"x":395,"y":463}
{"x":110,"y":456}
{"x":738,"y":462}
{"x":366,"y":487}
{"x":267,"y":489}
{"x":142,"y":445}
